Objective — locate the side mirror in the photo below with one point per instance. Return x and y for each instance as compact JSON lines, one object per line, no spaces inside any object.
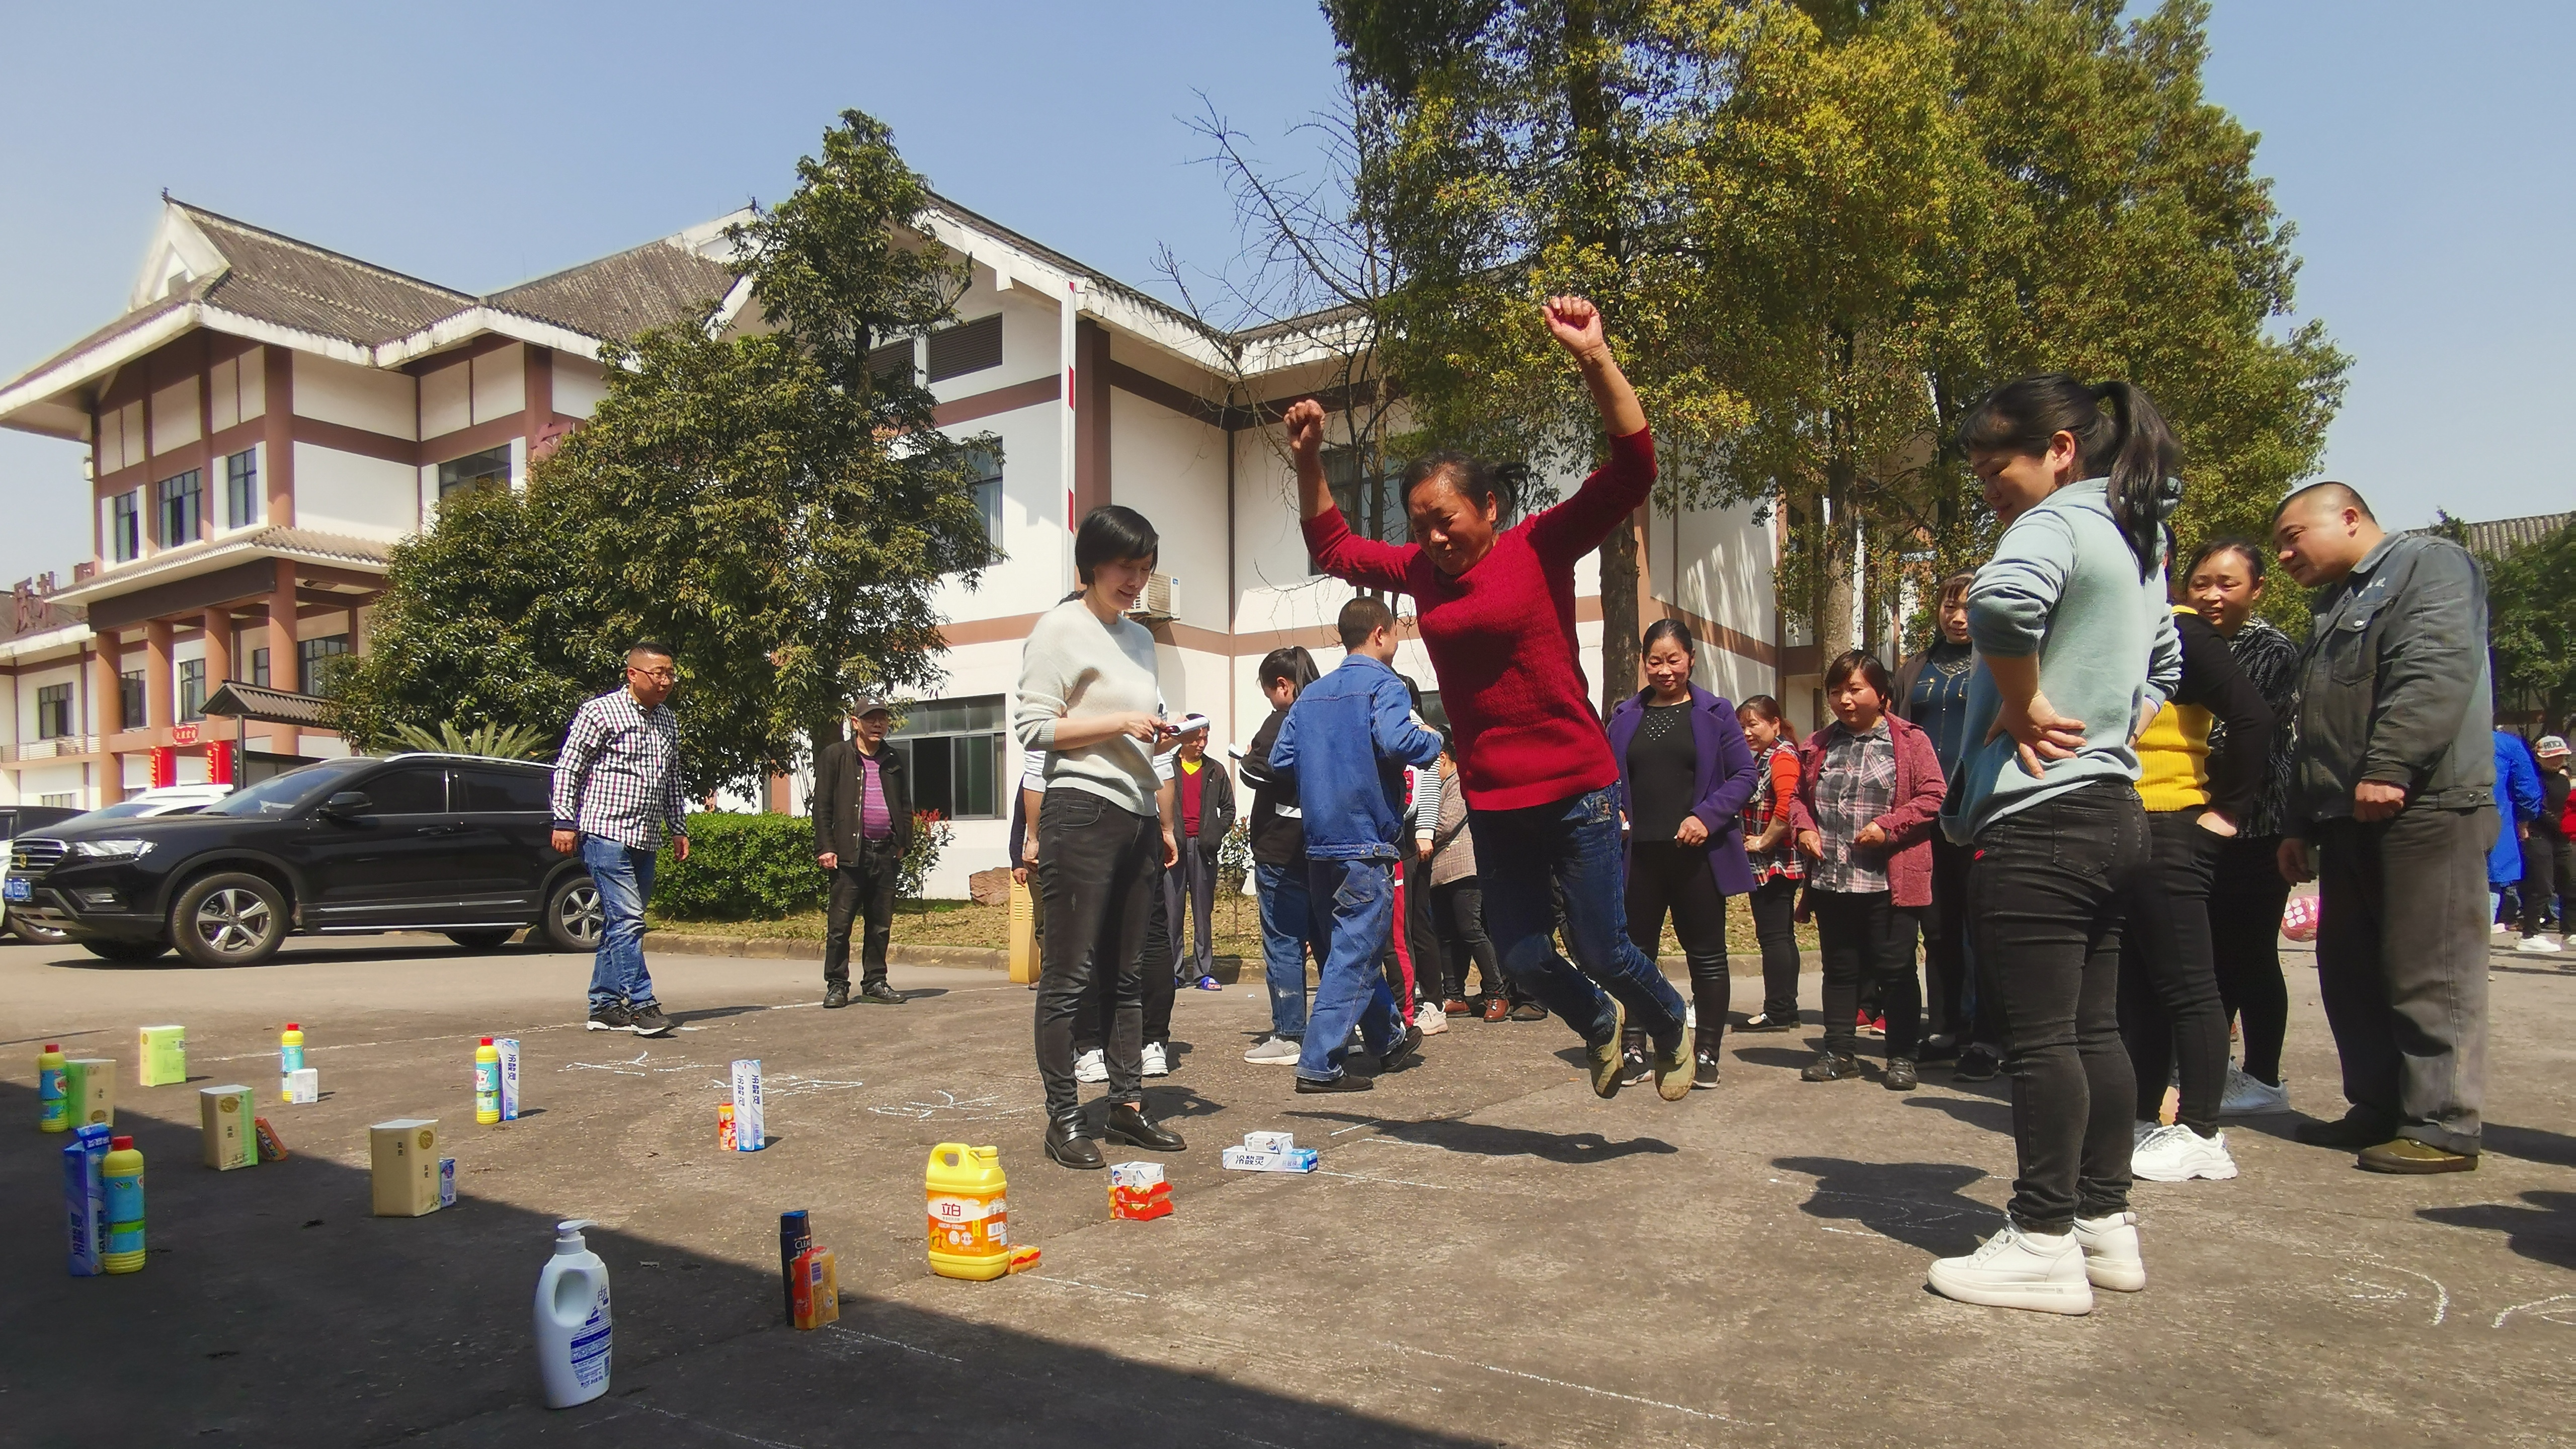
{"x":348,"y":802}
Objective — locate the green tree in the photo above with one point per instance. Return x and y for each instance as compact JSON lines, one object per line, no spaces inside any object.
{"x":2531,"y":626}
{"x":758,"y":498}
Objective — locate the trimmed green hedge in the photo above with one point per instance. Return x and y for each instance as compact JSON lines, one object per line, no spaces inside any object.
{"x":761,"y":867}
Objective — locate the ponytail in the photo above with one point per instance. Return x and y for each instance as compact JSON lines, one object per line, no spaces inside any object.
{"x":2119,"y":436}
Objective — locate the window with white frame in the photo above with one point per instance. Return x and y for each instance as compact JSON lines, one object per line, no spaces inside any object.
{"x":241,"y":489}
{"x":952,"y":752}
{"x":179,"y":509}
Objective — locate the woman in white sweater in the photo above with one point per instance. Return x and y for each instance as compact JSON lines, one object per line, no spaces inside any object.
{"x":1087,"y":698}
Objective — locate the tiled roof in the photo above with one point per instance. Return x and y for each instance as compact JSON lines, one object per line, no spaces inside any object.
{"x":263,"y":705}
{"x":2502,"y":536}
{"x":190,"y":559}
{"x":294,"y":284}
{"x":619,"y":296}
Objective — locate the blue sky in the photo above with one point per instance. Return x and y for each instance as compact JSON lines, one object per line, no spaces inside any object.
{"x":2423,"y":153}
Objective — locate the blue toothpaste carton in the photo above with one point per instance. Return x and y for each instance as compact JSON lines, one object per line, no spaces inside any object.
{"x":85,"y":1197}
{"x":447,"y":1182}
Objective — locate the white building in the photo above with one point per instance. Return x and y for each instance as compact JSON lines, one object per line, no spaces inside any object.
{"x":321,"y":406}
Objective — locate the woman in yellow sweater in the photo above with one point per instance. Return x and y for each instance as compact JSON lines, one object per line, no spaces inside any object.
{"x":2170,"y":1013}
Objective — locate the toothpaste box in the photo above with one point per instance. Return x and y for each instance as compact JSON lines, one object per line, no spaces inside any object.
{"x":304,"y":1084}
{"x":224,"y":1123}
{"x":1135,"y":1174}
{"x":447,"y":1182}
{"x":85,"y":1197}
{"x":747,"y":1133}
{"x":1137,"y":1191}
{"x":1295,"y":1159}
{"x":1268,"y":1141}
{"x":508,"y":1047}
{"x":404,"y":1159}
{"x":165,"y":1056}
{"x":89,"y":1085}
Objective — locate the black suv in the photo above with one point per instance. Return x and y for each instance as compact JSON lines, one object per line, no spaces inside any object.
{"x":456,"y":844}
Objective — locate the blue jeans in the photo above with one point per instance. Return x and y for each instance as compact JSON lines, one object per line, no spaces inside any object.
{"x":1569,"y":850}
{"x":1351,"y":904}
{"x":624,"y":875}
{"x":1283,"y":944}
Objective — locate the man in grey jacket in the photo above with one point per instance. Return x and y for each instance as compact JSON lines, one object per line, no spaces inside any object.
{"x":2392,"y":810}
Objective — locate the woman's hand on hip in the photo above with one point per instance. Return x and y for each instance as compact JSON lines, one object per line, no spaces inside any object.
{"x":2039,"y":732}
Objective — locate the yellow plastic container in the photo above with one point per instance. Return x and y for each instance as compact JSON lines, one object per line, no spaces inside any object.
{"x":969,"y":1212}
{"x":1024,"y":935}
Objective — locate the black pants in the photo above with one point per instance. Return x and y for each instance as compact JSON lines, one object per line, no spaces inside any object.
{"x":1775,"y":926}
{"x":1868,"y":942}
{"x":2402,"y":967}
{"x":2246,"y":895}
{"x":1422,"y":934}
{"x":1461,"y":905}
{"x":862,"y":888}
{"x":2170,"y":1014}
{"x":2045,"y":900}
{"x":1948,"y":972}
{"x":1092,"y":1027}
{"x":1191,"y":891}
{"x":2547,"y":874}
{"x":1101,"y":866}
{"x":1661,"y":874}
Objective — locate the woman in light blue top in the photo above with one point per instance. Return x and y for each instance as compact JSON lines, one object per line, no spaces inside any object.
{"x":2075,"y":652}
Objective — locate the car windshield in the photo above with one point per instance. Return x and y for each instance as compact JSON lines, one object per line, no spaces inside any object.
{"x":118,"y":811}
{"x":279,"y":794}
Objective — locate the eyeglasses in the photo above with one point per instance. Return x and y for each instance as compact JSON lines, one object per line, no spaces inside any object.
{"x":665,"y":676}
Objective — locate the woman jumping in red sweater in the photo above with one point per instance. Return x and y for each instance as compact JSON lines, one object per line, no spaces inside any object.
{"x":1497,"y":615}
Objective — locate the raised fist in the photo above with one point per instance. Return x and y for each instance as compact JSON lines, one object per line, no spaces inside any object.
{"x":1575,"y":322}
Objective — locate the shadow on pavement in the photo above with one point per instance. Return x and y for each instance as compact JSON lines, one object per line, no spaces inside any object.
{"x":1485,"y":1140}
{"x":275,"y":1309}
{"x":1983,"y":1112}
{"x":2531,"y":1144}
{"x":2544,"y":1232}
{"x":1915,"y":1203}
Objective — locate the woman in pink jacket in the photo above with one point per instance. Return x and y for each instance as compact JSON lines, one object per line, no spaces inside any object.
{"x":1871,"y":787}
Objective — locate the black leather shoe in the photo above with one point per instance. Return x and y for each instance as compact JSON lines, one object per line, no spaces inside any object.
{"x":1346,"y":1082}
{"x":1128,"y":1125}
{"x":2355,"y":1130}
{"x":1405,"y":1053}
{"x":836,"y":995}
{"x":1977,"y":1064}
{"x":1900,"y":1075}
{"x":878,"y":993}
{"x":1066,"y":1144}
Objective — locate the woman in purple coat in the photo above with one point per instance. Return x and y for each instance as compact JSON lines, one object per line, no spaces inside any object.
{"x":1685,"y":773}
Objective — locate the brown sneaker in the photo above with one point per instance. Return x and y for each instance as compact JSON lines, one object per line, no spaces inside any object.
{"x":2406,"y":1155}
{"x":1497,"y":1007}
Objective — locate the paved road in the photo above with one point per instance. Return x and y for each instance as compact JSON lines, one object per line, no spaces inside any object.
{"x":1492,"y":1255}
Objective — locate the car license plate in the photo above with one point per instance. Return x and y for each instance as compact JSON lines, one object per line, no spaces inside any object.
{"x":18,"y":888}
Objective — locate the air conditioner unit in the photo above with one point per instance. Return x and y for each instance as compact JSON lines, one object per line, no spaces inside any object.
{"x":1160,"y":602}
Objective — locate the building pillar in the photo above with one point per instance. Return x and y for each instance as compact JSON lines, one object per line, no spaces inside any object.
{"x":107,"y":716}
{"x":281,"y":642}
{"x":277,"y":439}
{"x":157,"y":713}
{"x":1091,"y":482}
{"x":219,"y":648}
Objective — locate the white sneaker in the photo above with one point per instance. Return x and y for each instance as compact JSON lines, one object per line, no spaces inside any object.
{"x":2017,"y":1269}
{"x":1430,"y":1019}
{"x":1275,"y":1051}
{"x":2111,"y":1256}
{"x":2539,"y":946}
{"x":2250,"y":1097}
{"x":1158,"y":1059}
{"x":2501,"y":927}
{"x":1091,"y":1066}
{"x":2178,"y":1154}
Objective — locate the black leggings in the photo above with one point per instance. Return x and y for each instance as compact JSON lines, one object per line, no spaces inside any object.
{"x":2546,"y":873}
{"x":1099,"y":880}
{"x":2169,"y":1008}
{"x":1461,"y":905}
{"x":1775,"y":925}
{"x":1867,"y":941}
{"x":1664,"y":874}
{"x":2246,"y":896}
{"x":1091,"y":1028}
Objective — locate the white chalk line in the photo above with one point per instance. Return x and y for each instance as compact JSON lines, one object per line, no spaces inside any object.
{"x":2386,"y":1292}
{"x":1356,"y":1126}
{"x":1094,"y":1287}
{"x":1395,"y":1181}
{"x":1578,"y":1388}
{"x":2538,"y":1303}
{"x":712,"y":1428}
{"x":346,"y":1046}
{"x":893,"y":1343}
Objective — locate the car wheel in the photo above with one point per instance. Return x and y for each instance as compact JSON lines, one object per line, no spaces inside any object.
{"x":574,"y":919}
{"x":481,"y":940}
{"x":129,"y":952}
{"x":229,"y":919}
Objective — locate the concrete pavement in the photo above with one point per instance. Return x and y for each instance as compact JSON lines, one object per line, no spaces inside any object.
{"x":1490,"y":1256}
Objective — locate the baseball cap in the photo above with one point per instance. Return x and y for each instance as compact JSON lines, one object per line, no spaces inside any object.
{"x":868,"y":704}
{"x":2550,"y":745}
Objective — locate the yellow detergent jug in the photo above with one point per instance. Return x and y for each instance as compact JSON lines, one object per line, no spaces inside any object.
{"x":969,"y":1215}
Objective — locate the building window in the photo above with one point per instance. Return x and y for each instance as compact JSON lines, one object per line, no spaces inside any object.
{"x":988,"y":498}
{"x":487,"y":469}
{"x":952,"y":752}
{"x":316,"y":660}
{"x":192,"y":689}
{"x":68,"y":800}
{"x":258,"y":668}
{"x":181,"y":501}
{"x":892,"y":361}
{"x":53,"y":711}
{"x":129,"y":701}
{"x":125,"y":526}
{"x":967,"y":347}
{"x":241,"y":489}
{"x":1371,"y":506}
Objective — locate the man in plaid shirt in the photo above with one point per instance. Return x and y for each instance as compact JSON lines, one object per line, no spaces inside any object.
{"x":617,"y":787}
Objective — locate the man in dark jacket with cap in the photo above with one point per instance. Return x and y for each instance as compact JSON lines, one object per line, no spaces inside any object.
{"x":2392,"y":810}
{"x":862,"y":824}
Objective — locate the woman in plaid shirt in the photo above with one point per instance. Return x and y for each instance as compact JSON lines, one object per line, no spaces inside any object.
{"x":1770,"y":821}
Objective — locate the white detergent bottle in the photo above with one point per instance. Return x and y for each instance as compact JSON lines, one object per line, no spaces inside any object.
{"x":572,"y":1320}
